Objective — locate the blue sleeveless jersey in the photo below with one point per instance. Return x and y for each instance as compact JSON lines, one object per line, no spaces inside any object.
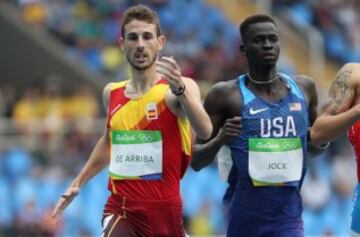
{"x":263,"y":119}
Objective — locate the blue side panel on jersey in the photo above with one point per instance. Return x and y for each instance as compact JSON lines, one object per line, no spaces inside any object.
{"x":246,"y":93}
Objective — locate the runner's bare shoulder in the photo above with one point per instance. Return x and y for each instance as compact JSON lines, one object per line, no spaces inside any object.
{"x":224,"y":96}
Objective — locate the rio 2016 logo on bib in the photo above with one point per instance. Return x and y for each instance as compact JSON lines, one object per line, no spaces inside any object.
{"x":124,"y":138}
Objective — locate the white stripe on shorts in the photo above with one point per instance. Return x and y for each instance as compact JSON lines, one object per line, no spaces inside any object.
{"x":106,"y":223}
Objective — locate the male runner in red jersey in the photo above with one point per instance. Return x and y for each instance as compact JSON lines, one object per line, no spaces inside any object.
{"x":147,"y":140}
{"x":341,"y":115}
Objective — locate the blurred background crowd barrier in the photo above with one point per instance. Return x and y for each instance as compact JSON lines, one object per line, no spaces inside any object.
{"x":56,"y":56}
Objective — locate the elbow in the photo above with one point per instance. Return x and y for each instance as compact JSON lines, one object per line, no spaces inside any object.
{"x":195,"y":162}
{"x":196,"y":167}
{"x":316,"y":138}
{"x":205,"y":133}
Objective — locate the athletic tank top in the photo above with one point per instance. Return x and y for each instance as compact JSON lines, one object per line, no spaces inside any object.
{"x":134,"y":120}
{"x":272,"y":134}
{"x":354,"y":138}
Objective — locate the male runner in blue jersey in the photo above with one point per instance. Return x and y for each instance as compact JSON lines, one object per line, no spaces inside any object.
{"x":264,"y":116}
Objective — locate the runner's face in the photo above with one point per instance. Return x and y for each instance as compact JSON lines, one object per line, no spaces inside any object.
{"x":262,"y":47}
{"x":140,"y":44}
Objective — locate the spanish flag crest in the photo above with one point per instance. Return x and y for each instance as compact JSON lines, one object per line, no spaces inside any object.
{"x":151,"y":111}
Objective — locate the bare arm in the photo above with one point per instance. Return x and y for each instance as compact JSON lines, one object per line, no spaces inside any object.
{"x":189,"y":103}
{"x":339,"y":115}
{"x":99,"y":157}
{"x":225,"y":128}
{"x":97,"y":161}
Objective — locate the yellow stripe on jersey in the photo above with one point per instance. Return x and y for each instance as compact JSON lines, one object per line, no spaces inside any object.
{"x":185,"y":131}
{"x":134,"y":111}
{"x":117,"y":85}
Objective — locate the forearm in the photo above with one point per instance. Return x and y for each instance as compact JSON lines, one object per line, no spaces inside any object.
{"x":97,"y":161}
{"x":197,"y":116}
{"x":204,"y":154}
{"x":187,"y":93}
{"x":328,"y":128}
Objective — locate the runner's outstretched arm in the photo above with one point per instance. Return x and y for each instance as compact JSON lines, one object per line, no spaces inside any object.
{"x":97,"y":161}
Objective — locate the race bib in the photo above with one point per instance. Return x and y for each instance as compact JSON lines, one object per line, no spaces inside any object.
{"x":136,"y":155}
{"x":275,"y":161}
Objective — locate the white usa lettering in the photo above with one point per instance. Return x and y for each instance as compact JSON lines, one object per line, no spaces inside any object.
{"x":278,"y":127}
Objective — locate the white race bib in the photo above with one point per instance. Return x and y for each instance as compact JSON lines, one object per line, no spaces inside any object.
{"x":136,"y":155}
{"x":275,"y":161}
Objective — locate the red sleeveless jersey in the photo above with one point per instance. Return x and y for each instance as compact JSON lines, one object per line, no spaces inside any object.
{"x":354,"y":138}
{"x":127,"y":114}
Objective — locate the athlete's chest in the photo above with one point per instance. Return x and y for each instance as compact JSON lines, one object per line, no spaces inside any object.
{"x":288,"y":118}
{"x":127,"y":113}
